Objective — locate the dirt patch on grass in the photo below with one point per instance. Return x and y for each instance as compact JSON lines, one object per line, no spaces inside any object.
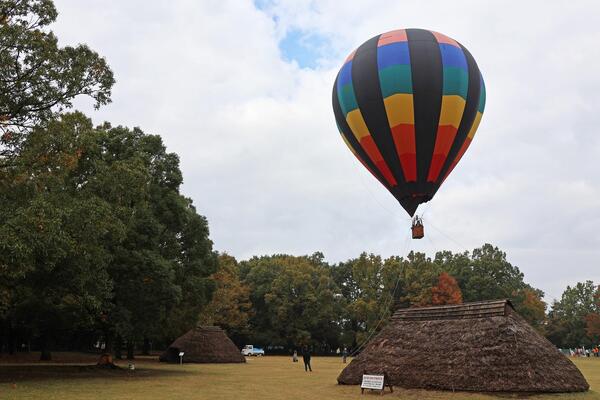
{"x":21,"y":373}
{"x":27,"y":367}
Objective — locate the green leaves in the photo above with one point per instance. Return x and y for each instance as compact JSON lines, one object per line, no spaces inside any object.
{"x":567,"y":318}
{"x":38,"y":78}
{"x":98,"y":236}
{"x":293,"y":300}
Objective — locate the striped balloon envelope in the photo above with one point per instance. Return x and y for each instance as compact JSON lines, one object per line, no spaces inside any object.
{"x":407,"y":103}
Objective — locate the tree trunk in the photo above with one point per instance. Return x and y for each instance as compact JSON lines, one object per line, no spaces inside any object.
{"x":130,"y":347}
{"x":4,"y":337}
{"x":146,"y":348}
{"x":12,"y":340}
{"x":108,"y":342}
{"x":118,"y":348}
{"x":45,"y":348}
{"x":106,"y":359}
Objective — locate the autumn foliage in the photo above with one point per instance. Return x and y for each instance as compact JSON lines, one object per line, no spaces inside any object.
{"x":446,"y":291}
{"x":592,"y":320}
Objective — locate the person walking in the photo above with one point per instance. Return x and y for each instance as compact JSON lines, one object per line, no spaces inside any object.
{"x":344,"y":355}
{"x":306,"y":358}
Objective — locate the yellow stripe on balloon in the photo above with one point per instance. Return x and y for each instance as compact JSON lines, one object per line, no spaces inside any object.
{"x":452,"y":110}
{"x":400,"y":109}
{"x":348,"y":144}
{"x":475,"y":125}
{"x":357,"y":124}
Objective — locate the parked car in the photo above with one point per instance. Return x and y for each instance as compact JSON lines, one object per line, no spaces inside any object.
{"x":250,"y":350}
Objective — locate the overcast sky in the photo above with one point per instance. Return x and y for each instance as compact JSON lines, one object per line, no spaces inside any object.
{"x":241,"y":90}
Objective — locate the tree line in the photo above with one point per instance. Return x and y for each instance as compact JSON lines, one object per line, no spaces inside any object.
{"x":99,"y":247}
{"x":283,"y":301}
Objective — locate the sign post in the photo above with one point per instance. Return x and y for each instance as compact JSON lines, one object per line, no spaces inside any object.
{"x":181,"y":357}
{"x":375,"y":382}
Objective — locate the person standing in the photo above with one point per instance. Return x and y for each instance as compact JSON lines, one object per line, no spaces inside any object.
{"x":306,"y":358}
{"x":344,"y":355}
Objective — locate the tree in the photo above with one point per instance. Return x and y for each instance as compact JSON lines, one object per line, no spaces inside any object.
{"x":446,"y":291}
{"x":57,"y":235}
{"x":161,"y":270}
{"x":37,"y":77}
{"x":567,"y":318}
{"x":230,"y":307}
{"x":592,"y":320}
{"x":486,"y":274}
{"x":418,"y":275}
{"x":592,"y":328}
{"x":366,"y":298}
{"x":294,"y":301}
{"x":529,"y":304}
{"x":98,"y":236}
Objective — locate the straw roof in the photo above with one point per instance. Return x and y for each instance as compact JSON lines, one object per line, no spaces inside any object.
{"x":204,"y":344}
{"x":484,"y":346}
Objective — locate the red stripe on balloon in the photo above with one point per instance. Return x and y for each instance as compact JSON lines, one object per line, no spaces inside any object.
{"x":404,"y":139}
{"x":443,"y":142}
{"x":461,"y":153}
{"x":372,"y":151}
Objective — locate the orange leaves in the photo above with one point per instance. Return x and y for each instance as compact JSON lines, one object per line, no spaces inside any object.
{"x":592,"y":320}
{"x":592,"y":327}
{"x":446,"y":291}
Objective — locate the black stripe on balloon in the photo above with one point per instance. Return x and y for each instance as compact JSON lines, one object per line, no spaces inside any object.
{"x":427,"y":79}
{"x":469,"y":113}
{"x":365,"y":79}
{"x":347,"y":132}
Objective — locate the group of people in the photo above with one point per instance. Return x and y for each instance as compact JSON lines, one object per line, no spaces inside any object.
{"x":583,"y":352}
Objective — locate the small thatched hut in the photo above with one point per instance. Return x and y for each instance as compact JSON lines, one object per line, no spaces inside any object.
{"x":484,"y":346}
{"x":204,"y":344}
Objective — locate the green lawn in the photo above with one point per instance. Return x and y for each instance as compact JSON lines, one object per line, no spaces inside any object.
{"x":261,"y":378}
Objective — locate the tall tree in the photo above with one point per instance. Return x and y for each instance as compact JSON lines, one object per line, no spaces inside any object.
{"x":486,"y":274}
{"x":362,"y":285}
{"x":37,"y":77}
{"x":57,"y":235}
{"x":161,"y":271}
{"x":98,"y":233}
{"x":567,"y":317}
{"x":294,"y":300}
{"x":592,"y":320}
{"x":230,"y":307}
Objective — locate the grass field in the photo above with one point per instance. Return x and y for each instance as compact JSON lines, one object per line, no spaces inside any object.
{"x":261,"y":378}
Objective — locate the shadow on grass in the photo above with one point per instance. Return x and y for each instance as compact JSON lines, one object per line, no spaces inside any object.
{"x":22,"y":373}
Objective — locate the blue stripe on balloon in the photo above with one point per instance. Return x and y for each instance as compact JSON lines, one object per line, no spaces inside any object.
{"x":345,"y":75}
{"x":453,"y":56}
{"x":393,"y":54}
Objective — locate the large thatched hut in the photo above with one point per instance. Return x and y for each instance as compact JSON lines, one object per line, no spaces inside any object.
{"x":484,"y":346}
{"x":204,"y":344}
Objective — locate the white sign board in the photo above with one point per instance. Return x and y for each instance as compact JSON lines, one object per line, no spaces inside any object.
{"x":181,"y":354}
{"x":372,"y":382}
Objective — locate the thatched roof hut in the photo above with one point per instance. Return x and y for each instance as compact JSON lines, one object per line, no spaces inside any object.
{"x":204,"y":344}
{"x":484,"y":346}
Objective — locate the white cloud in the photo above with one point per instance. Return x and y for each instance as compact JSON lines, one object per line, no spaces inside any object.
{"x":263,"y":161}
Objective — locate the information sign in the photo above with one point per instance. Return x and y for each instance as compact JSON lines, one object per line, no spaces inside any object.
{"x":372,"y":382}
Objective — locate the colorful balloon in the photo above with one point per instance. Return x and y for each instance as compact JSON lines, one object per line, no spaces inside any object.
{"x":408,"y":103}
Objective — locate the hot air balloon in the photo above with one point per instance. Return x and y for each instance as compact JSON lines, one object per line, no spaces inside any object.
{"x":407,"y":103}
